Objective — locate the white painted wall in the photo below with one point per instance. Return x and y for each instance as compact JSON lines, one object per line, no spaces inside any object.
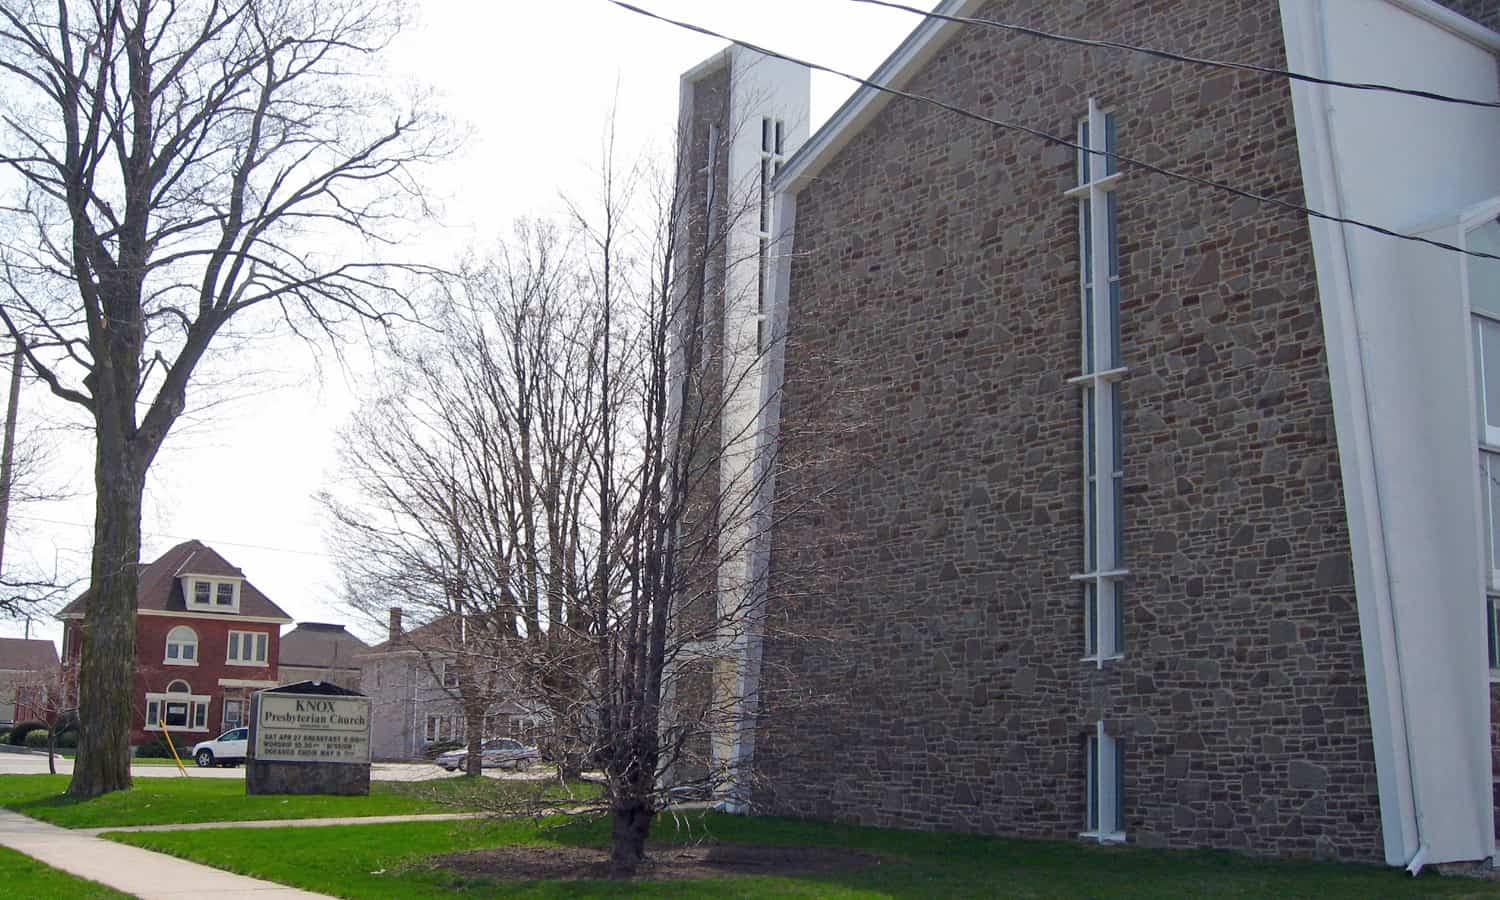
{"x":1397,"y":332}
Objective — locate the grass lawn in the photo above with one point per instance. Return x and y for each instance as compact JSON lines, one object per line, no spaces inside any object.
{"x":386,"y":861}
{"x":157,"y":801}
{"x":23,"y":878}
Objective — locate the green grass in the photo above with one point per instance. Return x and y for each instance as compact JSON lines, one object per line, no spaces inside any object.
{"x":23,"y":878}
{"x":387,"y":861}
{"x":158,"y":801}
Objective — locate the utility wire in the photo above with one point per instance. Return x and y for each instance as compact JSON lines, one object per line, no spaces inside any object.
{"x":1284,"y":205}
{"x":181,"y":537}
{"x":1178,"y":57}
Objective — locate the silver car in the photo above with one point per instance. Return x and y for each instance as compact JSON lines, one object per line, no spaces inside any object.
{"x":498,"y":753}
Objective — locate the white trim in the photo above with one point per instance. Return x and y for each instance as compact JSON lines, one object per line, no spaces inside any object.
{"x":866,"y":102}
{"x":242,"y":660}
{"x":247,"y":683}
{"x":1105,"y":183}
{"x":1101,"y":377}
{"x":1448,"y":20}
{"x":188,"y":614}
{"x":193,"y":700}
{"x":1343,"y":344}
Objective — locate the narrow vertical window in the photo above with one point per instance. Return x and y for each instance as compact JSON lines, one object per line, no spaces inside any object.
{"x":1483,"y":290}
{"x":1101,"y":369}
{"x":710,"y":171}
{"x":772,"y":155}
{"x":1104,"y":778}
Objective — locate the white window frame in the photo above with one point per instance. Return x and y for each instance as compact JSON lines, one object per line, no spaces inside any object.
{"x":1103,"y":369}
{"x":190,"y":588}
{"x":180,"y":646}
{"x":772,"y":158}
{"x":443,"y":668}
{"x":1104,"y":811}
{"x":710,"y":208}
{"x":236,"y":640}
{"x":239,"y":722}
{"x":437,"y":728}
{"x":197,"y":708}
{"x":1489,"y":449}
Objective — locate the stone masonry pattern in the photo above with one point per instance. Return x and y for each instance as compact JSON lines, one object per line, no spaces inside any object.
{"x":938,"y":260}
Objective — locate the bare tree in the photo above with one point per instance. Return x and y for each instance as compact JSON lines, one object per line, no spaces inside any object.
{"x":47,"y":695}
{"x":171,"y":161}
{"x":464,"y":479}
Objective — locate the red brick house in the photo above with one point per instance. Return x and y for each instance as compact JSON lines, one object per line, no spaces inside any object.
{"x":206,"y":639}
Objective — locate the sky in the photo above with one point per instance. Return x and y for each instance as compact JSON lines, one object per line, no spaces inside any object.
{"x":529,"y":88}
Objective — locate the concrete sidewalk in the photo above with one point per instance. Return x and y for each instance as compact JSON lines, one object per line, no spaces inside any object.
{"x":289,"y":823}
{"x":148,"y":875}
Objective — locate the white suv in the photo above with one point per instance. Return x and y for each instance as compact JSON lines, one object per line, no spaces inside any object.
{"x":227,"y":749}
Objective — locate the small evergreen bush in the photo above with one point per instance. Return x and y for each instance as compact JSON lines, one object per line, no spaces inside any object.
{"x":19,"y":731}
{"x":37,"y":740}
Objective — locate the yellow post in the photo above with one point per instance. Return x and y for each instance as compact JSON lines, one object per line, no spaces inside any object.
{"x":171,"y":746}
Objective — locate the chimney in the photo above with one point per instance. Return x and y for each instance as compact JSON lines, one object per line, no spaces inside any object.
{"x":395,"y":622}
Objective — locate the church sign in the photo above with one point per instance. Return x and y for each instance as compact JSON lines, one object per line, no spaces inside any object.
{"x":303,"y":728}
{"x":311,"y":737}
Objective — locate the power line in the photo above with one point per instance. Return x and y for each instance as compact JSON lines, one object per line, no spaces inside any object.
{"x":1284,"y":205}
{"x":183,"y":537}
{"x":1179,"y":57}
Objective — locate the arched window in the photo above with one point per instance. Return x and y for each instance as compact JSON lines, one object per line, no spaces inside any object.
{"x":182,"y":646}
{"x":179,"y":687}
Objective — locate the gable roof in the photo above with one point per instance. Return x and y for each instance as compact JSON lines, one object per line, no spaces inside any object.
{"x":320,"y":645}
{"x":160,"y":587}
{"x":928,"y":38}
{"x":435,"y":635}
{"x":23,"y":655}
{"x":866,"y":102}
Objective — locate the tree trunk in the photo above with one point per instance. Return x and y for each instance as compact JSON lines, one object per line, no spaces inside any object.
{"x":52,"y":749}
{"x":474,"y":762}
{"x":106,"y":674}
{"x":632,"y":823}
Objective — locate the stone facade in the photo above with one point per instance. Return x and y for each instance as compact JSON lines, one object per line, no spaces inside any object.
{"x":936,"y":278}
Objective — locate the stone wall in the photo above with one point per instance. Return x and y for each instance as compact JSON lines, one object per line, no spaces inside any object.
{"x":1485,"y":12}
{"x":937,"y":280}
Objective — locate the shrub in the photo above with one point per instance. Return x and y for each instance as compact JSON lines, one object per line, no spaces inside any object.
{"x":37,"y":740}
{"x":5,"y":737}
{"x":68,"y":740}
{"x":156,"y":748}
{"x":19,"y":731}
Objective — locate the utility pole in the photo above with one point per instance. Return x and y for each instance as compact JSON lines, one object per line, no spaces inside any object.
{"x":8,"y":450}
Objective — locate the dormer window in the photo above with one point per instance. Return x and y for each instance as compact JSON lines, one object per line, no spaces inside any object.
{"x":212,"y":594}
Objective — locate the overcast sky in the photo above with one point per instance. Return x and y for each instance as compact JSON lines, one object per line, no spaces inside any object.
{"x":530,"y":84}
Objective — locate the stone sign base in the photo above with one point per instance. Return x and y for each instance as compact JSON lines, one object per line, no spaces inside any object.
{"x":306,"y":778}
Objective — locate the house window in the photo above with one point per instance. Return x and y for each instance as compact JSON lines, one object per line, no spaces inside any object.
{"x":772,"y":157}
{"x":1104,"y":776}
{"x":182,"y":647}
{"x":213,"y":595}
{"x":178,"y":708}
{"x":1483,"y":288}
{"x":248,"y":648}
{"x":439,"y":728}
{"x":234,"y":714}
{"x":1099,"y":384}
{"x":706,"y":311}
{"x":448,"y":674}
